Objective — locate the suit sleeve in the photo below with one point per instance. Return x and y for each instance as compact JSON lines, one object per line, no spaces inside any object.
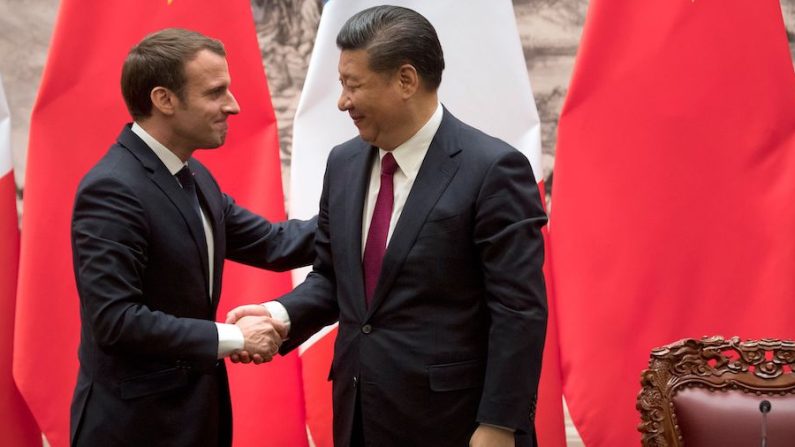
{"x":109,"y":246}
{"x":280,"y":246}
{"x":507,"y":233}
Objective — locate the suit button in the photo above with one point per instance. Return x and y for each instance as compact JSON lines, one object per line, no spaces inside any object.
{"x":367,"y":329}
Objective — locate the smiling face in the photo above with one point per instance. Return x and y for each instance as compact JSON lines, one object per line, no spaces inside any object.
{"x":200,"y":115}
{"x":376,"y":102}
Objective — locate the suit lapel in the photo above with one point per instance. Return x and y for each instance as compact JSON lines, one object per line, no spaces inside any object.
{"x":436,"y":171}
{"x":358,"y":171}
{"x":170,"y":187}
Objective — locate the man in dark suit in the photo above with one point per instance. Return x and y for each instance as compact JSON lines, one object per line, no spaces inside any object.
{"x":429,"y":255}
{"x":150,"y":232}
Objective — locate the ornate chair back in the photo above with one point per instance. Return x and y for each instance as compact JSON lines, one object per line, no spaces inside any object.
{"x":704,"y":393}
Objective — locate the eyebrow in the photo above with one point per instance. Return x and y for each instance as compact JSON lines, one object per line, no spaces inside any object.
{"x":216,"y":89}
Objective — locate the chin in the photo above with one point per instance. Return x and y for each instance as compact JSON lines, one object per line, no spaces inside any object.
{"x":213,"y":145}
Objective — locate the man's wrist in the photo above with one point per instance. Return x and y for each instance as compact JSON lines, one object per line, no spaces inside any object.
{"x":278,"y":312}
{"x":230,"y":339}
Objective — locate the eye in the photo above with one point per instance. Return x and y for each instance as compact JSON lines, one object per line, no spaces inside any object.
{"x":217,"y":92}
{"x":348,"y":85}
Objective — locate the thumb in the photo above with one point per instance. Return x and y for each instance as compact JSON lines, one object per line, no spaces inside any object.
{"x":232,"y":316}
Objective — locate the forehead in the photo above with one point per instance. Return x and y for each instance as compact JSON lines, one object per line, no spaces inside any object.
{"x":207,"y":67}
{"x":353,"y":63}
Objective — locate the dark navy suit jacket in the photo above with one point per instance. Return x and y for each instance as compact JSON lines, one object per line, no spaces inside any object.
{"x":148,"y":369}
{"x":455,"y":332}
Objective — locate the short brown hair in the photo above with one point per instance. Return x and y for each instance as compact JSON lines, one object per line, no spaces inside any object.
{"x":159,"y":61}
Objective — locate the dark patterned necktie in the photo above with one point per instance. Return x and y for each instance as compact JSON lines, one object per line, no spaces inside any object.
{"x":185,"y":177}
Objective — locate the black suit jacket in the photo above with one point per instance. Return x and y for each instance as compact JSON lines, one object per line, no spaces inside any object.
{"x":455,"y":332}
{"x":148,"y":370}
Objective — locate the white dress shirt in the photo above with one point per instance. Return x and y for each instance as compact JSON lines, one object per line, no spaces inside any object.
{"x":230,"y":337}
{"x":409,"y":157}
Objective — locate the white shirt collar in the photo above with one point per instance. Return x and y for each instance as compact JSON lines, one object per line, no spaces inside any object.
{"x":410,"y":154}
{"x":172,"y":162}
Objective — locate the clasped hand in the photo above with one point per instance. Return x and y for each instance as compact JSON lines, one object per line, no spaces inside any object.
{"x":262,"y":334}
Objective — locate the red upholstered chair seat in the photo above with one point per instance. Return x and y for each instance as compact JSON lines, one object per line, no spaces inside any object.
{"x":731,"y":417}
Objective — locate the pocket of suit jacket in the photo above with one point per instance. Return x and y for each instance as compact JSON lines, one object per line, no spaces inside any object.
{"x":153,"y":383}
{"x":456,"y":376}
{"x":437,"y":225}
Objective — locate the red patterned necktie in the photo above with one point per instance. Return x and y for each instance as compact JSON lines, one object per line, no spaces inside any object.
{"x":379,"y":227}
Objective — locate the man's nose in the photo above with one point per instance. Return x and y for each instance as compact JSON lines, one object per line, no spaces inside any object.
{"x":231,"y":107}
{"x":344,"y":103}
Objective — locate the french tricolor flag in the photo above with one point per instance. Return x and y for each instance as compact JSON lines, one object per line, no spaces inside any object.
{"x":19,"y":427}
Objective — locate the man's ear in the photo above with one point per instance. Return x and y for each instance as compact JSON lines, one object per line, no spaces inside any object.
{"x":408,"y":79}
{"x":164,"y":100}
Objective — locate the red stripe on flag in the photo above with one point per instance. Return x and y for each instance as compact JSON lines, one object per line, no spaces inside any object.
{"x":19,"y":428}
{"x":316,"y":363}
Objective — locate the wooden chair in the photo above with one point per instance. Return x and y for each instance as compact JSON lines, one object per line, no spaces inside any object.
{"x":704,"y":393}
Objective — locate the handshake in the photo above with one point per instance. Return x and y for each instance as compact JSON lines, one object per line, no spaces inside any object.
{"x":262,"y":334}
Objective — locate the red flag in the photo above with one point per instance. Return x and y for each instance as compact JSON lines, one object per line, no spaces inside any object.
{"x":19,"y":426}
{"x":672,"y":210}
{"x":78,"y":114}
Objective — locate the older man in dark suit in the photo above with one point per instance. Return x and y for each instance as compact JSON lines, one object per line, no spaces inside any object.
{"x":150,"y":232}
{"x":429,"y":255}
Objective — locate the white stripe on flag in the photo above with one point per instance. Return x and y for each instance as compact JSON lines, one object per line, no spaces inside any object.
{"x":318,"y":335}
{"x":5,"y":133}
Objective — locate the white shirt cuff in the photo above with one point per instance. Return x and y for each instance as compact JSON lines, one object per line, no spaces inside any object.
{"x":230,"y":339}
{"x":278,"y":312}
